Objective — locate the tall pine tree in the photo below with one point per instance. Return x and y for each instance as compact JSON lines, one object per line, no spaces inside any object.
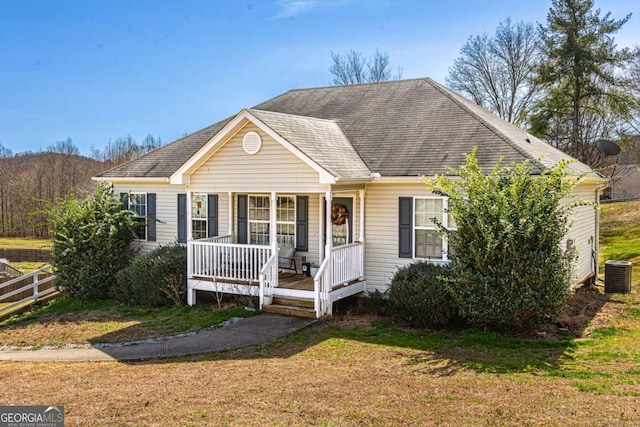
{"x":581,"y":61}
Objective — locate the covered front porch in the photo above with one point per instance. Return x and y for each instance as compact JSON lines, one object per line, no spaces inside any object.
{"x":263,"y":249}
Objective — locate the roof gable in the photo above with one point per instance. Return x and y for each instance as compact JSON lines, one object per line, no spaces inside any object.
{"x":304,"y":133}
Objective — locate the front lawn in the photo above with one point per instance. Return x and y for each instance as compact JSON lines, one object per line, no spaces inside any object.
{"x":69,"y":321}
{"x":362,"y":371}
{"x":369,"y":371}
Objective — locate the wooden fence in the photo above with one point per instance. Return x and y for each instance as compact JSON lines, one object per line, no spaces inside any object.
{"x":27,"y":289}
{"x":26,"y":255}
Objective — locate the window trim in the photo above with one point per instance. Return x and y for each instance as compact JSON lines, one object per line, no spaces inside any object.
{"x":146,"y":209}
{"x":445,"y":223}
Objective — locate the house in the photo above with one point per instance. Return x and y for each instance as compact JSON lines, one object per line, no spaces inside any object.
{"x":273,"y":181}
{"x":624,"y":184}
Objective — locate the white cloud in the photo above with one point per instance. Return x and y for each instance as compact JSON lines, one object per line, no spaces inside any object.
{"x":290,"y":8}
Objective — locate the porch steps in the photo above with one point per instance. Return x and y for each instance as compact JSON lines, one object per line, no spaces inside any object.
{"x":291,"y":306}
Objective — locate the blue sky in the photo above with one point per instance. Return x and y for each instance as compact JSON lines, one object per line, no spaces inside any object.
{"x":96,"y":70}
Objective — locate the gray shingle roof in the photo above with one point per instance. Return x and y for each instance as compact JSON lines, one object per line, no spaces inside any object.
{"x":397,"y":128}
{"x":335,"y":153}
{"x":164,"y":161}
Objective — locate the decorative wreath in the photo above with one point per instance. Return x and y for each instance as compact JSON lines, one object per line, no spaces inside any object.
{"x":339,"y":214}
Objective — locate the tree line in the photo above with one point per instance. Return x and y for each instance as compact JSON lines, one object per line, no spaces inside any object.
{"x":28,"y":180}
{"x":565,"y":80}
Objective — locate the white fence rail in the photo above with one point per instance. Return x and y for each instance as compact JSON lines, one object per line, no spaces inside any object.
{"x":217,"y":258}
{"x":34,"y":288}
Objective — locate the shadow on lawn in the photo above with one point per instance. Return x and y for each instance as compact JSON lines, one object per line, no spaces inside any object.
{"x":439,"y":353}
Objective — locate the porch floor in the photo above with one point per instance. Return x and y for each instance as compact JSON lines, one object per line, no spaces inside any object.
{"x":285,"y":280}
{"x":295,"y":281}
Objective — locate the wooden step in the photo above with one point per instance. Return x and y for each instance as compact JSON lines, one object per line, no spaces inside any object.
{"x":293,"y":301}
{"x":289,"y":310}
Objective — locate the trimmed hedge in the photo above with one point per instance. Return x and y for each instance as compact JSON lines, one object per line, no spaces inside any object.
{"x":418,"y":294}
{"x":156,"y":279}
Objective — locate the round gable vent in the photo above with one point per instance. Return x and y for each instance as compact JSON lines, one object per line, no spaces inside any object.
{"x":251,"y":142}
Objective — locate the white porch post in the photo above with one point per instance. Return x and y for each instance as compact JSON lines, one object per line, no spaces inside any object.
{"x":189,"y":222}
{"x":191,"y":293}
{"x":361,"y":194}
{"x":321,"y":221}
{"x":329,"y":245}
{"x":231,"y":215}
{"x":273,"y":232}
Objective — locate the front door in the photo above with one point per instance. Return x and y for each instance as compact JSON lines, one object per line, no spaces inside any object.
{"x":341,"y":220}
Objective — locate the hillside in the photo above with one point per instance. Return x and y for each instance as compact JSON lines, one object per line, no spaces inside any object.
{"x":28,"y":179}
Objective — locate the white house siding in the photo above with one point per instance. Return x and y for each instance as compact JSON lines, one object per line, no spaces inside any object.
{"x":273,"y":168}
{"x":381,"y":230}
{"x":583,"y":230}
{"x":166,"y":210}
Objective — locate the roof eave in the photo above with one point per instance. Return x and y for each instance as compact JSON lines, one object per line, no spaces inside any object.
{"x":142,"y":179}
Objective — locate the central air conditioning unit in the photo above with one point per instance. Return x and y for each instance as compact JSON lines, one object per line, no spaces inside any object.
{"x":617,"y":277}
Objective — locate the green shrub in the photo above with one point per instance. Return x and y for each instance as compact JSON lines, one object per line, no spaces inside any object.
{"x":156,"y":279}
{"x":91,"y":242}
{"x":419,"y":295}
{"x":510,"y":271}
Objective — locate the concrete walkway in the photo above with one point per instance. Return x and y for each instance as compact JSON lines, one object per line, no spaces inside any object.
{"x":257,"y":329}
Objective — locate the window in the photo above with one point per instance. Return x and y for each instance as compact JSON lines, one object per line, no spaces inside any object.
{"x":286,"y":221}
{"x":199,"y":216}
{"x":138,"y":204}
{"x":259,"y":220}
{"x":428,"y":244}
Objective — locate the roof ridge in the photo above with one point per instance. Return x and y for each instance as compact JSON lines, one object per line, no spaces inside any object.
{"x":292,"y":115}
{"x":488,"y":125}
{"x":349,"y":85}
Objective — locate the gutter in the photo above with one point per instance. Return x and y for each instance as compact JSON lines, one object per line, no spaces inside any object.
{"x":131,"y":179}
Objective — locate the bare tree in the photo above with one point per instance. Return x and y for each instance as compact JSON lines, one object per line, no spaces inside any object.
{"x":124,"y":149}
{"x":353,"y":68}
{"x":497,"y":72}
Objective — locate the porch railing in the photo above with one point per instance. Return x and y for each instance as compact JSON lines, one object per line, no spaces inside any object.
{"x":218,"y":258}
{"x":343,"y":266}
{"x":346,"y":263}
{"x":268,"y":278}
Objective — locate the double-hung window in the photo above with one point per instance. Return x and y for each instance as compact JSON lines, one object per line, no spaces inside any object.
{"x":199,"y":210}
{"x":138,"y":204}
{"x":427,"y":243}
{"x":260,"y":216}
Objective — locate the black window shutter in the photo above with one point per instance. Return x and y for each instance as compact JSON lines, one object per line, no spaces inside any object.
{"x":302,"y":223}
{"x":405,"y":229}
{"x":212,"y":215}
{"x":243,"y":218}
{"x":151,"y":217}
{"x":125,"y":200}
{"x":182,"y":218}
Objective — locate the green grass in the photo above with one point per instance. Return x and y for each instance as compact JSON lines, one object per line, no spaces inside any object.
{"x":24,"y":243}
{"x":620,"y":234}
{"x":67,"y":320}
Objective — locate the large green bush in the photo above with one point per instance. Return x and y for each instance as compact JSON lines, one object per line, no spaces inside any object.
{"x":91,"y":242}
{"x":510,"y":271}
{"x":419,"y":295}
{"x":156,"y":279}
